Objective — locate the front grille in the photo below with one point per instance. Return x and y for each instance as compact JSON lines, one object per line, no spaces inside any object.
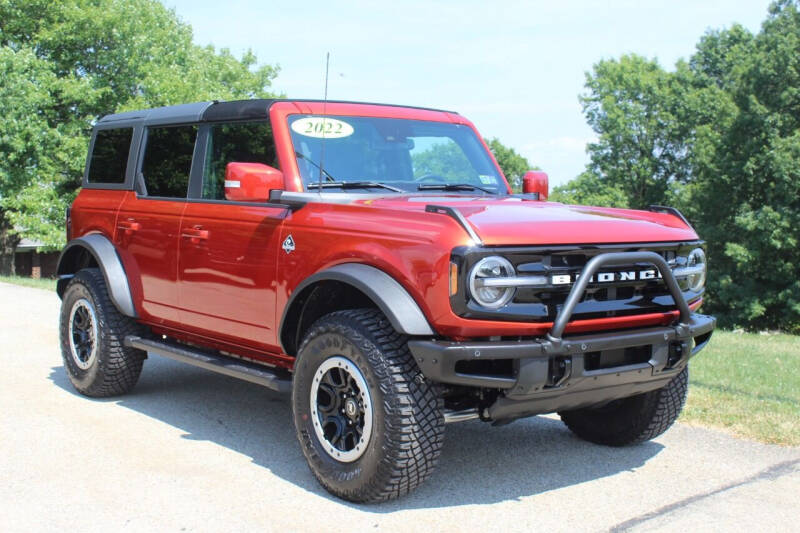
{"x":542,"y":304}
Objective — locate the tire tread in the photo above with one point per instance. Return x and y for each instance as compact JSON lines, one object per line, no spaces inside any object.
{"x":120,"y":365}
{"x":634,"y":420}
{"x":413,"y":407}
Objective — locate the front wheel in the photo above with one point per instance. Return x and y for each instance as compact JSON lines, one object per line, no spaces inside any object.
{"x":371,"y":428}
{"x":631,"y":420}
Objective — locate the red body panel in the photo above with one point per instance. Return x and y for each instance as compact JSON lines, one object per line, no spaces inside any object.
{"x":414,"y":247}
{"x":516,"y":222}
{"x":215,"y":273}
{"x":95,"y":211}
{"x":149,"y":253}
{"x":227,"y":279}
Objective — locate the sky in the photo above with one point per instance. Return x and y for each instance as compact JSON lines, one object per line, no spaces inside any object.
{"x":514,"y":68}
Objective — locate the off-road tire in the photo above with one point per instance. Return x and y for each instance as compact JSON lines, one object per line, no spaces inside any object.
{"x":631,"y":420}
{"x":408,"y":421}
{"x":116,"y":367}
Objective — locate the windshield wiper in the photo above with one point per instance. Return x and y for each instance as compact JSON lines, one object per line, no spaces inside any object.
{"x":353,"y":185}
{"x":452,"y":187}
{"x":327,"y":175}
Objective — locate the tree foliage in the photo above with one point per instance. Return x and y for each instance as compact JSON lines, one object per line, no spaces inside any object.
{"x":513,"y":165}
{"x":635,"y":107}
{"x":719,"y":137}
{"x":590,"y":189}
{"x":67,"y":63}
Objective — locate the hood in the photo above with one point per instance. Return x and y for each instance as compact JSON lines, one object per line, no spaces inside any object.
{"x":513,"y":221}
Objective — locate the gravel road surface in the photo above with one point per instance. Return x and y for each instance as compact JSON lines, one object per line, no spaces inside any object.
{"x":189,"y":450}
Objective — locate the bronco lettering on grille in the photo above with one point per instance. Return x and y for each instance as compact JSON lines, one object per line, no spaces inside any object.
{"x":609,"y":277}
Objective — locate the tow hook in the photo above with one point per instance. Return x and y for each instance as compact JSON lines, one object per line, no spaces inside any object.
{"x":676,"y":353}
{"x":559,"y":372}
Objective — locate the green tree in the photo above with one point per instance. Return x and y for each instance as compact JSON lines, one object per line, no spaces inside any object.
{"x":636,"y":108}
{"x":589,"y":189}
{"x":745,"y":192}
{"x":64,"y":65}
{"x":513,"y":165}
{"x":35,"y":147}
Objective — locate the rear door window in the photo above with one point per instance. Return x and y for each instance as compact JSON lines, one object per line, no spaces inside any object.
{"x":110,"y":156}
{"x":168,"y":161}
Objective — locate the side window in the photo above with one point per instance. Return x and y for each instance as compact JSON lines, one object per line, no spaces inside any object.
{"x":168,"y":160}
{"x":110,"y":155}
{"x":244,"y":142}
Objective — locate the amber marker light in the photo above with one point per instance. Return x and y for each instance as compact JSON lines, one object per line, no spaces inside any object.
{"x":453,"y":278}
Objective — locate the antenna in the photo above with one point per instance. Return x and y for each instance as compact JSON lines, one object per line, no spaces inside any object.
{"x":324,"y":109}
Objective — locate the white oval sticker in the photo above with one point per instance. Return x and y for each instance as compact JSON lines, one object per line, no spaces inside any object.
{"x":319,"y":127}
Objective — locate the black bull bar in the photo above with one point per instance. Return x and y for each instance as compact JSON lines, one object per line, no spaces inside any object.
{"x":553,"y":373}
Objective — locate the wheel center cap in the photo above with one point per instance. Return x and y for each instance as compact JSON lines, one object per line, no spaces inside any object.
{"x":351,"y":408}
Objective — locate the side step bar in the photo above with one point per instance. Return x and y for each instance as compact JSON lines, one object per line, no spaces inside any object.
{"x":252,"y":372}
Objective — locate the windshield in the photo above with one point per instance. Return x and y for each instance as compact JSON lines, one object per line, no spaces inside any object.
{"x":392,"y":154}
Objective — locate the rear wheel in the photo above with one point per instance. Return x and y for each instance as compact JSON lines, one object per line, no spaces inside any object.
{"x":631,"y":420}
{"x":92,"y":333}
{"x":370,"y":427}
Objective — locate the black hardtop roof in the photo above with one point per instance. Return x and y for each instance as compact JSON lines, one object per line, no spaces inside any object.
{"x":215,"y":111}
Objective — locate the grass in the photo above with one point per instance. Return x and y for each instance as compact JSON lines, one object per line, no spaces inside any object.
{"x":745,"y":383}
{"x":46,"y":283}
{"x":748,"y":384}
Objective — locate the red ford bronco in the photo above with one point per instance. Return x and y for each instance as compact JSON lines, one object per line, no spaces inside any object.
{"x":373,"y":261}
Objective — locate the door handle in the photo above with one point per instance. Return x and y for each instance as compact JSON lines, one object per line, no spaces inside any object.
{"x":195,"y":234}
{"x":129,"y":226}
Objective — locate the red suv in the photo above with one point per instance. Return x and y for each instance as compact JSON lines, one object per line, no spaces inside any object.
{"x":373,"y":261}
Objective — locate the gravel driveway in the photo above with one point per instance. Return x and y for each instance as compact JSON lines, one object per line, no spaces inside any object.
{"x":189,"y":450}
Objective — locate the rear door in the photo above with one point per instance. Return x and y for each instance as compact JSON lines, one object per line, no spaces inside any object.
{"x":227,"y":256}
{"x":148,"y":223}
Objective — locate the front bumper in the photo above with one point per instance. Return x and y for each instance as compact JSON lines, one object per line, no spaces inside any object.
{"x":552,"y":373}
{"x":549,"y":377}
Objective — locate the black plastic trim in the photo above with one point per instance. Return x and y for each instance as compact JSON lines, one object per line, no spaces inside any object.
{"x":615,"y":259}
{"x":390,"y":297}
{"x":653,"y":300}
{"x":110,"y":265}
{"x":238,"y":110}
{"x":437,"y":358}
{"x":458,"y":216}
{"x":195,"y":189}
{"x":671,"y":211}
{"x":255,"y":108}
{"x":506,"y":409}
{"x":230,"y":202}
{"x":252,"y":372}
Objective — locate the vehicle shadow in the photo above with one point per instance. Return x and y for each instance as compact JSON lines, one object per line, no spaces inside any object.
{"x":480,"y":464}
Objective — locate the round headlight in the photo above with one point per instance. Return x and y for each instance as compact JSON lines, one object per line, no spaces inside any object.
{"x":696,"y":262}
{"x":490,"y":268}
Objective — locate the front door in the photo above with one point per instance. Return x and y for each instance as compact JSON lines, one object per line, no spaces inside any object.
{"x":148,"y":223}
{"x":228,"y":250}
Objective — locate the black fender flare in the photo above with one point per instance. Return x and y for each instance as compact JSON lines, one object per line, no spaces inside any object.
{"x":107,"y":259}
{"x":391,"y":298}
